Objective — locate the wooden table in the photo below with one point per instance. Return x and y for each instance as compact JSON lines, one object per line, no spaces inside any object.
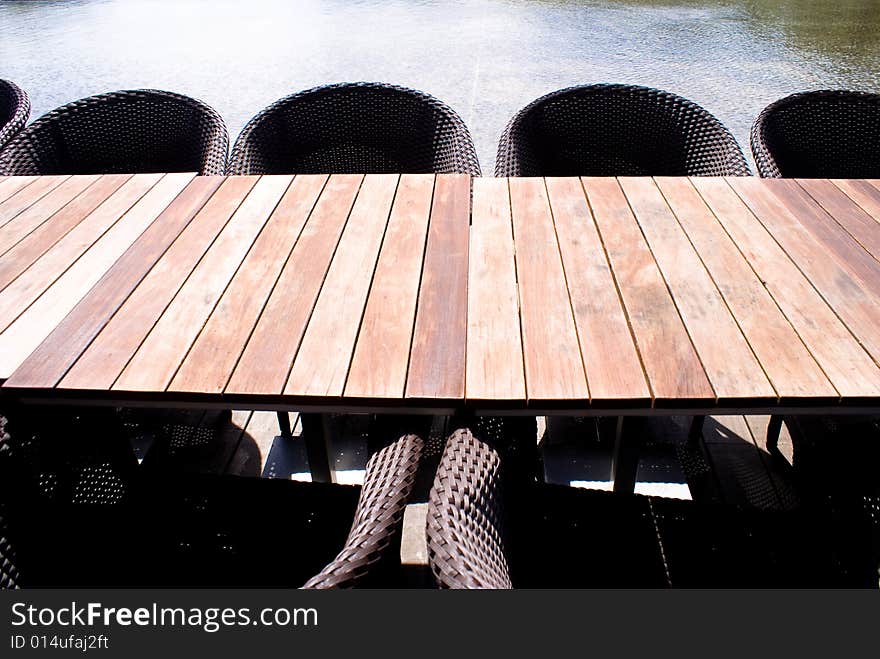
{"x":435,"y":294}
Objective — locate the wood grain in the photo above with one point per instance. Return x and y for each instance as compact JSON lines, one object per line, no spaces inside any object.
{"x":155,"y":362}
{"x":32,"y":217}
{"x":437,"y":357}
{"x":846,"y":293}
{"x":131,"y":247}
{"x":321,"y":365}
{"x":841,"y":357}
{"x":24,"y":290}
{"x":612,"y":364}
{"x":27,"y":196}
{"x":859,"y":224}
{"x":103,"y":361}
{"x":545,"y":308}
{"x":733,"y":369}
{"x":45,"y":237}
{"x":863,"y":193}
{"x":495,"y":368}
{"x":785,"y":359}
{"x":209,"y":364}
{"x":673,"y":368}
{"x":267,"y":359}
{"x":9,"y":185}
{"x":381,"y":356}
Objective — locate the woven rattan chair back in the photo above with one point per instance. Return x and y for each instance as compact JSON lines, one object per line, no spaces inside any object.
{"x":15,"y":107}
{"x":355,"y":128}
{"x":617,"y":130}
{"x":465,"y":525}
{"x":821,"y":134}
{"x":122,"y":132}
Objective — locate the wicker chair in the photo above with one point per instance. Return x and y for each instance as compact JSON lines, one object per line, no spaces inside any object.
{"x":617,"y":130}
{"x":121,"y":132}
{"x":554,"y":536}
{"x":820,"y":134}
{"x":15,"y":107}
{"x":176,"y":530}
{"x":355,"y":128}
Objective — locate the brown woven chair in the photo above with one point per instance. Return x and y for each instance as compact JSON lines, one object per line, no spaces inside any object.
{"x":171,"y":529}
{"x":819,"y":134}
{"x":617,"y":130}
{"x":15,"y":107}
{"x":355,"y":128}
{"x":488,"y":529}
{"x":121,"y":132}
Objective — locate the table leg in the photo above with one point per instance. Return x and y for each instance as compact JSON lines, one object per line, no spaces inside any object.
{"x":318,"y":435}
{"x":696,"y":432}
{"x":774,"y":428}
{"x":625,"y":461}
{"x":284,"y":425}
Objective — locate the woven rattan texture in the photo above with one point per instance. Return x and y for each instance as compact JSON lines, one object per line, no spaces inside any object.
{"x":378,"y":521}
{"x":617,"y":130}
{"x":820,"y":134}
{"x":136,"y":131}
{"x":355,"y":128}
{"x":466,"y":546}
{"x":15,"y":107}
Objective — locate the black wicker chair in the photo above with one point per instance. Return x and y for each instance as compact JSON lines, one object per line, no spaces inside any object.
{"x":486,"y":528}
{"x":355,"y":128}
{"x":15,"y":107}
{"x":121,"y":132}
{"x":174,"y":530}
{"x":617,"y":130}
{"x":820,"y":134}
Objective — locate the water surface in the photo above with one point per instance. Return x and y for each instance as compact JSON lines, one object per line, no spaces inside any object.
{"x":485,"y":58}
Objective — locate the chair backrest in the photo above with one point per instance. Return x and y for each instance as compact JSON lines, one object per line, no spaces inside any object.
{"x":355,"y":128}
{"x":617,"y":130}
{"x":820,"y":134}
{"x":15,"y":107}
{"x":465,"y":526}
{"x":122,"y":132}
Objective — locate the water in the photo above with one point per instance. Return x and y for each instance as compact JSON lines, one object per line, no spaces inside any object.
{"x":485,"y":58}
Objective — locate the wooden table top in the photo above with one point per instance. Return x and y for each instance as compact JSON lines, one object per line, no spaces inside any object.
{"x":359,"y":293}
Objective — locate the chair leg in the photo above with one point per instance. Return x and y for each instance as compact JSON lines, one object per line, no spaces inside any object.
{"x":625,"y":461}
{"x":318,"y":436}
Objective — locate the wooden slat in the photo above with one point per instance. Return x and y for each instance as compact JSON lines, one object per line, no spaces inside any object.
{"x":545,"y":308}
{"x":787,"y":362}
{"x":614,"y":370}
{"x":38,"y":242}
{"x":321,"y":365}
{"x":861,"y":226}
{"x":101,"y":363}
{"x":27,"y":196}
{"x":70,"y":337}
{"x":378,"y":368}
{"x":9,"y":185}
{"x":266,"y":361}
{"x":31,"y":218}
{"x":494,"y":342}
{"x":724,"y":352}
{"x":24,"y":290}
{"x":863,"y":193}
{"x":848,"y":296}
{"x":209,"y":364}
{"x":437,"y":358}
{"x":816,"y":222}
{"x":841,"y":357}
{"x":673,"y":368}
{"x":157,"y":359}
